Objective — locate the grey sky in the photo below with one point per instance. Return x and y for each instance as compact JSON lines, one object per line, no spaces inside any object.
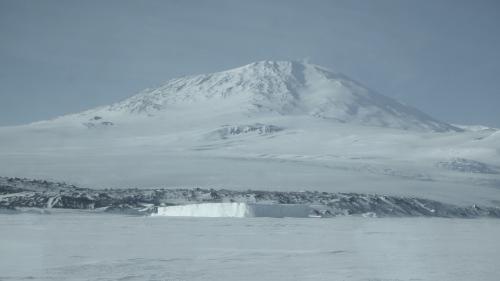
{"x":59,"y":57}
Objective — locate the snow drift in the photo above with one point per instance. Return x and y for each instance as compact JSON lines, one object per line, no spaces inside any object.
{"x":236,"y":210}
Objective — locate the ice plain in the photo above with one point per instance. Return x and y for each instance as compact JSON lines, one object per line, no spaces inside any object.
{"x":77,"y":245}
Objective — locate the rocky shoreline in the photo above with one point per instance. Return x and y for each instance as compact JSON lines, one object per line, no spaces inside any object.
{"x":19,"y":193}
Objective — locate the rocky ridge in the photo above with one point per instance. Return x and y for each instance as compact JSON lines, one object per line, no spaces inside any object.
{"x":17,"y":194}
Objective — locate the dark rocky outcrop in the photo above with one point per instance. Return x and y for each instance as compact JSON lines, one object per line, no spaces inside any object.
{"x":18,"y":193}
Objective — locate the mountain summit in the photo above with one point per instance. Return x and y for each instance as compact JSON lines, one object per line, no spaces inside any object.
{"x":285,"y":88}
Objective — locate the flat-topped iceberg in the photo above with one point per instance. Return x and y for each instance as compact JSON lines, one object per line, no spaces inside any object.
{"x":237,"y":210}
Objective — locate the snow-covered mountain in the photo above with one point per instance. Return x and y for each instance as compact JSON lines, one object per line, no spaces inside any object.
{"x":267,"y":125}
{"x":285,"y":88}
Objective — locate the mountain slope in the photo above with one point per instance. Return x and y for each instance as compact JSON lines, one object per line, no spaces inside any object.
{"x":269,"y":125}
{"x":284,"y":88}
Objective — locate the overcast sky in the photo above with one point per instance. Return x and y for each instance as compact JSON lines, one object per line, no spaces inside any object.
{"x":59,"y":57}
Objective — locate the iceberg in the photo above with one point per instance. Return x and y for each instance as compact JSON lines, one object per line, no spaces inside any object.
{"x":236,"y":210}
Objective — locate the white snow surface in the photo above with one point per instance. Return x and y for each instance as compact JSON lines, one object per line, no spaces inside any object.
{"x":282,"y":87}
{"x":267,"y":125}
{"x":79,"y":246}
{"x":475,"y":128}
{"x":235,"y":210}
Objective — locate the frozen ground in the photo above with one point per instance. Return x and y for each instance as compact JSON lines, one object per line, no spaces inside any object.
{"x":79,"y":246}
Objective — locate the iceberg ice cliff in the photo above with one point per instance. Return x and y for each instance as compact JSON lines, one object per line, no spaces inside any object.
{"x":235,"y":209}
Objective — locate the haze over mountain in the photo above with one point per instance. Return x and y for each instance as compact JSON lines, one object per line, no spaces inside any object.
{"x":275,"y":125}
